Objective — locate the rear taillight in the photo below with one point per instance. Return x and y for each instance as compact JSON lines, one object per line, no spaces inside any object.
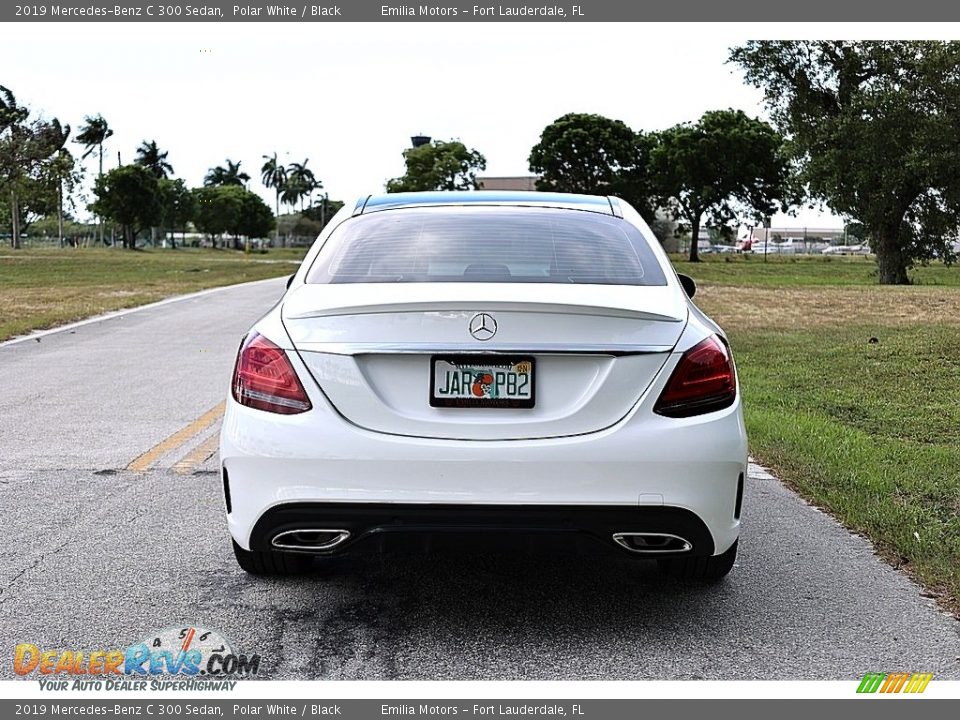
{"x":264,"y":378}
{"x":702,"y":382}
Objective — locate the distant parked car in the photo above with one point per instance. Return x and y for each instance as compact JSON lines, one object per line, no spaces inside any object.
{"x":774,"y":248}
{"x":862,"y":249}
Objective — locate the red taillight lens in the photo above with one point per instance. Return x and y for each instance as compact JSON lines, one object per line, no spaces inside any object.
{"x":264,"y":379}
{"x":702,"y":382}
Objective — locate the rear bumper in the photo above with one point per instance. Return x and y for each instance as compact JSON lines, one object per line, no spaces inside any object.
{"x":347,"y":526}
{"x":645,"y":465}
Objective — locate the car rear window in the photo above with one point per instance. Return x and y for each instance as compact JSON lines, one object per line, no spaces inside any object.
{"x":489,"y":244}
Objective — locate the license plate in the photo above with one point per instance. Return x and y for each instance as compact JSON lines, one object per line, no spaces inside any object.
{"x":493,"y":381}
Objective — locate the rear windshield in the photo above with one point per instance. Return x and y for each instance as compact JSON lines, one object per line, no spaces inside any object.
{"x":490,"y":244}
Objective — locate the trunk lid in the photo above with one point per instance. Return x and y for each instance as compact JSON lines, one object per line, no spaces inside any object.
{"x":595,"y":350}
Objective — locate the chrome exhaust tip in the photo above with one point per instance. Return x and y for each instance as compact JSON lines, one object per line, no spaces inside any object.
{"x":309,"y":539}
{"x":652,"y":543}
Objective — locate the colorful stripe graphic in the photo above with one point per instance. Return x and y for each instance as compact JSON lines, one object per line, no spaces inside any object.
{"x":894,"y":682}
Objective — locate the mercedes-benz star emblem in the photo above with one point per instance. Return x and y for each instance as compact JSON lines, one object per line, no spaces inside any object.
{"x":483,"y":326}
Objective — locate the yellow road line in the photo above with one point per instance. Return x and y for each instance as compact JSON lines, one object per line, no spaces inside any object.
{"x":207,"y":448}
{"x":177,"y":439}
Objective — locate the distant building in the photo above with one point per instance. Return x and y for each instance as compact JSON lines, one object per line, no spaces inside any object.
{"x":799,"y":234}
{"x":519,"y":182}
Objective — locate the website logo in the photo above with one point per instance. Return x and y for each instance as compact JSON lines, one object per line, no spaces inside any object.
{"x":183,"y":651}
{"x":894,"y":682}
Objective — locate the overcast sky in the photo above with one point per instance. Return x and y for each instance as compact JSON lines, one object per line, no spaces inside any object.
{"x":349,"y":96}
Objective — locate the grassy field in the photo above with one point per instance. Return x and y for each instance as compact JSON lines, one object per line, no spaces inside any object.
{"x":851,"y":394}
{"x":44,"y":288}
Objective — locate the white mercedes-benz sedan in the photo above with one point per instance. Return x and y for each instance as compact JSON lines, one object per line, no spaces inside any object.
{"x":485,"y":362}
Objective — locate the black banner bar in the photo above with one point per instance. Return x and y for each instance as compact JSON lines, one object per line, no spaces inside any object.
{"x":532,"y":11}
{"x":148,"y":707}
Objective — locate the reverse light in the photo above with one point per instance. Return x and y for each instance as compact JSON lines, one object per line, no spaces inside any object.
{"x":263,"y":378}
{"x":702,"y":382}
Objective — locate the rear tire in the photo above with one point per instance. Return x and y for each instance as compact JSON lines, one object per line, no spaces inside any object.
{"x":271,"y":562}
{"x":707,"y":569}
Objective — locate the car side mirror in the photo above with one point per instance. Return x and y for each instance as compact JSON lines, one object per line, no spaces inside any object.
{"x":689,"y":286}
{"x":290,"y":281}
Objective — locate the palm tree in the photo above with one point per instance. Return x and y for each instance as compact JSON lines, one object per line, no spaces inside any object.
{"x":93,"y":135}
{"x":228,"y":174}
{"x":303,"y":182}
{"x":61,"y":170}
{"x":274,"y":175}
{"x":12,"y":118}
{"x":150,"y":157}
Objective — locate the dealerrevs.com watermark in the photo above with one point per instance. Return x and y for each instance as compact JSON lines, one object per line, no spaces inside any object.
{"x":182,"y":658}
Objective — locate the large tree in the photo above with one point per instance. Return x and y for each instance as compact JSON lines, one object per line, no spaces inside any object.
{"x":721,"y":167}
{"x":874,"y":129}
{"x":178,"y":206}
{"x":439,"y":165}
{"x":150,"y":157}
{"x":274,"y":175}
{"x":300,"y":183}
{"x":93,"y":134}
{"x":594,"y":155}
{"x":61,"y":175}
{"x":255,"y":219}
{"x":130,"y":196}
{"x":231,"y":209}
{"x":27,"y":147}
{"x":217,"y":209}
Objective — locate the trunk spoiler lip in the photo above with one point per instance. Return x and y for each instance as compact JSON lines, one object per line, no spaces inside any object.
{"x":478,"y":306}
{"x":657,"y":303}
{"x":298,"y":308}
{"x":393,"y":348}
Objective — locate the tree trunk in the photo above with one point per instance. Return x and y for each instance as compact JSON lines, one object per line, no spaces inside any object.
{"x":60,"y":210}
{"x":892,"y":263}
{"x":15,"y":211}
{"x":695,"y":237}
{"x":278,"y":221}
{"x":100,"y":219}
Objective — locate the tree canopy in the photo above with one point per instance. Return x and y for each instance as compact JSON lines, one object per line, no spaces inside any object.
{"x":874,"y":131}
{"x":299,"y":182}
{"x":28,"y":148}
{"x":594,"y":155}
{"x":177,"y":202}
{"x":130,"y":196}
{"x":93,"y":134}
{"x":439,"y":165}
{"x":724,"y":165}
{"x":150,"y":157}
{"x":231,"y":209}
{"x":227,"y":174}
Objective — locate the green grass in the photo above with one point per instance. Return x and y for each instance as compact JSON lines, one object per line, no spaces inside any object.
{"x":851,"y":395}
{"x":803,"y":270}
{"x":45,"y":288}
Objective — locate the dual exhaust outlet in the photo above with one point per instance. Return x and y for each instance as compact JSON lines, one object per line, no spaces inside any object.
{"x":324,"y":539}
{"x":652,"y":543}
{"x":309,"y":539}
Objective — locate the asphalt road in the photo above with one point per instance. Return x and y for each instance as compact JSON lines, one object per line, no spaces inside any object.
{"x":97,"y":554}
